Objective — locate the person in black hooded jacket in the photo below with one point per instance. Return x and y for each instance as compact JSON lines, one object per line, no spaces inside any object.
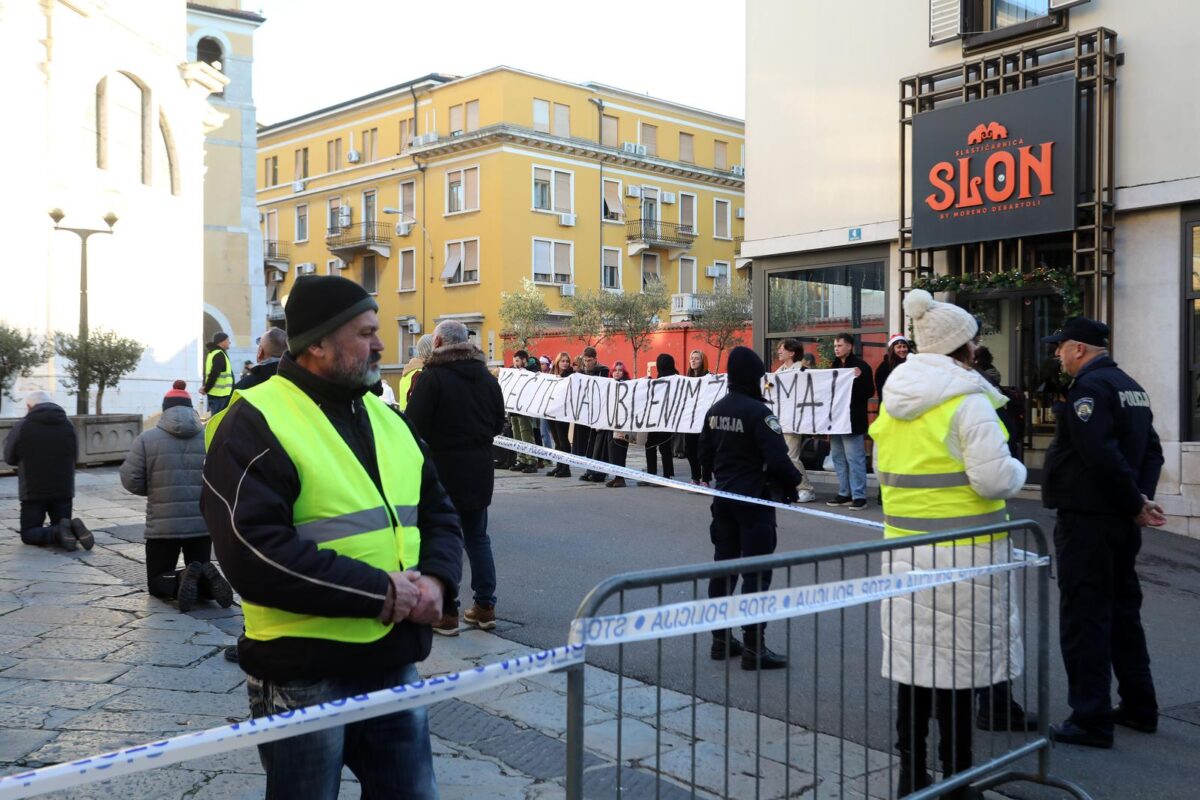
{"x":742,"y":445}
{"x":662,"y":442}
{"x":43,"y":448}
{"x":458,"y":408}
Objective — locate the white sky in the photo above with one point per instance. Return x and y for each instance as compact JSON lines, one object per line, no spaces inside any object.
{"x":314,"y":53}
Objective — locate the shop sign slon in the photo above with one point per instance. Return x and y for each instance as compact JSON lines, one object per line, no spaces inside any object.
{"x":997,"y":168}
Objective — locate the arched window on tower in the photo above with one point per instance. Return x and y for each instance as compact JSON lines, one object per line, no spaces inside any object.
{"x":209,"y":51}
{"x":121,"y":128}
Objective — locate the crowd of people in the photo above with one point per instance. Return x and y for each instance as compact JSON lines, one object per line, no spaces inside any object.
{"x":343,"y":582}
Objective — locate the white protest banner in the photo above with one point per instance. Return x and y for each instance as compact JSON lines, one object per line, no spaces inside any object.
{"x":813,"y":401}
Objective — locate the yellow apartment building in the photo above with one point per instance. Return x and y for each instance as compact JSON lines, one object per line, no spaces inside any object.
{"x":441,"y":193}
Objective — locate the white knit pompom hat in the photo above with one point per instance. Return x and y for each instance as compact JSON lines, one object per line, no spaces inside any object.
{"x":940,"y":327}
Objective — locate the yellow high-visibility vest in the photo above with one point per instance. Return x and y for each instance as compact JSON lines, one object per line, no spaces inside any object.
{"x":224,"y":385}
{"x":925,"y":489}
{"x":339,"y":507}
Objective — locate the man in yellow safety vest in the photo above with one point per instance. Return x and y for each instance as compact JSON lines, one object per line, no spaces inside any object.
{"x":218,"y":373}
{"x":328,"y":518}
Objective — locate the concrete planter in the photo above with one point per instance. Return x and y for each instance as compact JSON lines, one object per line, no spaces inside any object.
{"x":103,"y":438}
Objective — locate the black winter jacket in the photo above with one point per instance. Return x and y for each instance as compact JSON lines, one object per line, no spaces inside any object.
{"x":457,"y":407}
{"x":251,"y":486}
{"x":742,"y":445}
{"x":860,"y":393}
{"x":259,"y":373}
{"x":1105,"y":454}
{"x":43,"y":448}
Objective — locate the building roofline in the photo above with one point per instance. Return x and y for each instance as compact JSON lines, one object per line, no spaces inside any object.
{"x":433,"y":77}
{"x":646,"y":98}
{"x":245,"y":16}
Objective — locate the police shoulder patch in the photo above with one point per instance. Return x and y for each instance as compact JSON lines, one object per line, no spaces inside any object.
{"x":1084,"y":407}
{"x":773,"y":423}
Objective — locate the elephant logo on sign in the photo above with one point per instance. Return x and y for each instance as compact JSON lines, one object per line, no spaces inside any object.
{"x":981,"y":133}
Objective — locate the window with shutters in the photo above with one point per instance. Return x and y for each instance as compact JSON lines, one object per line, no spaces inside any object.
{"x":370,"y":275}
{"x":720,"y":154}
{"x":408,"y":201}
{"x":721,"y":279}
{"x":608,"y":130}
{"x":462,"y":190}
{"x":721,"y":221}
{"x":271,"y":171}
{"x":408,"y":271}
{"x":457,"y":119}
{"x":650,"y":273}
{"x":553,"y":261}
{"x":613,"y":206}
{"x":687,"y":150}
{"x":333,"y":155}
{"x":648,"y":136}
{"x":687,"y":275}
{"x":562,"y":120}
{"x":687,"y":213}
{"x":301,"y":165}
{"x":406,"y":134}
{"x":462,"y":262}
{"x":553,"y":190}
{"x":983,"y":23}
{"x":301,"y":223}
{"x":472,"y":108}
{"x":333,"y":216}
{"x":541,"y":115}
{"x":370,"y":145}
{"x":610,"y":271}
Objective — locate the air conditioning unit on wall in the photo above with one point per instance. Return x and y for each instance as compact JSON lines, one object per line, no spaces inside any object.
{"x":741,"y":212}
{"x":403,"y":228}
{"x":633,"y":148}
{"x":566,"y":220}
{"x":668,"y":198}
{"x":739,"y":170}
{"x":633,"y":191}
{"x":414,"y":326}
{"x":566,"y":289}
{"x":307,"y":268}
{"x":354,"y":156}
{"x":713,"y":271}
{"x":298,"y":186}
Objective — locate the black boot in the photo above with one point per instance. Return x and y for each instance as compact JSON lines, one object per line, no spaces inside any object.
{"x":213,"y":585}
{"x":187,"y":588}
{"x":913,"y":775}
{"x":755,"y":653}
{"x":64,"y":537}
{"x":725,"y":645}
{"x":999,"y":711}
{"x":82,"y":534}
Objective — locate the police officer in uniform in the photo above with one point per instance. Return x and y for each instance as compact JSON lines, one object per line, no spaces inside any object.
{"x":1101,"y":472}
{"x":742,"y":445}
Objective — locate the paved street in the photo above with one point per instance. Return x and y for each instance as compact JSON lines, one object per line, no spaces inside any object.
{"x":89,"y":662}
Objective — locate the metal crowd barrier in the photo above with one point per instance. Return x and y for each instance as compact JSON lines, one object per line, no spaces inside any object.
{"x":834,"y":711}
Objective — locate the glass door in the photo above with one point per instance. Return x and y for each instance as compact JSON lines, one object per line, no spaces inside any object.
{"x":1041,"y":374}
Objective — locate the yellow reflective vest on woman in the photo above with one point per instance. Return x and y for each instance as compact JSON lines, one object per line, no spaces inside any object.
{"x":339,"y":507}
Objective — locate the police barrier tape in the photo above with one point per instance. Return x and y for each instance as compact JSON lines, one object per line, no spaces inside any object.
{"x":676,"y":619}
{"x":549,"y":454}
{"x":697,"y":616}
{"x":281,"y":726}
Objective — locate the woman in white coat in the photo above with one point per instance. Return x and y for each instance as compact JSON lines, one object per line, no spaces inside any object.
{"x":943,"y":463}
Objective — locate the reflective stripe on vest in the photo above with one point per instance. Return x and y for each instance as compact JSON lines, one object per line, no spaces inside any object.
{"x":925,"y":489}
{"x":224,"y":383}
{"x":339,"y":507}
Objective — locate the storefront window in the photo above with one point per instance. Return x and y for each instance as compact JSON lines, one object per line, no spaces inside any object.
{"x":1191,"y":416}
{"x":816,"y":304}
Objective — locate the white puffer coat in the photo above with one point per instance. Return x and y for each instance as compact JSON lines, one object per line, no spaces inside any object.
{"x":967,"y":633}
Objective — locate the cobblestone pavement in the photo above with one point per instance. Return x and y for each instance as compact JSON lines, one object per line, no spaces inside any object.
{"x":89,"y":662}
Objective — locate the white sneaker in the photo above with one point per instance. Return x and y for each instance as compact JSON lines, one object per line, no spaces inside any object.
{"x":806,"y":496}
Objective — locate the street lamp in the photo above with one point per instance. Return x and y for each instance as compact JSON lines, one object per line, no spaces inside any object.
{"x":81,"y":397}
{"x":429,"y":242}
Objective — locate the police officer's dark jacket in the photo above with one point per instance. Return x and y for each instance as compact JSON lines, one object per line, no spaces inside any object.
{"x":742,"y":444}
{"x":1105,"y":454}
{"x":269,"y":565}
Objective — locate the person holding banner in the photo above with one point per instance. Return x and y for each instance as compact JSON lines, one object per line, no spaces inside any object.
{"x":848,"y":450}
{"x":660,"y":443}
{"x":697,"y":368}
{"x":560,"y":430}
{"x":618,"y":443}
{"x":791,"y":357}
{"x":522,"y":425}
{"x":742,"y":444}
{"x":943,"y":463}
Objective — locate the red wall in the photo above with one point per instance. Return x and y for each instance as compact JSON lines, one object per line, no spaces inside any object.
{"x":678,"y":340}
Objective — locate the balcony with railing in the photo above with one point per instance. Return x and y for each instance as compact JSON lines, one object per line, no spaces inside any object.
{"x":276,"y":254}
{"x":644,"y":234}
{"x":361,"y":237}
{"x":685,"y":307}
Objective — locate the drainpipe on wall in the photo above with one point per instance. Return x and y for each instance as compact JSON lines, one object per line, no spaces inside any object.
{"x":427,"y":240}
{"x":599,"y":141}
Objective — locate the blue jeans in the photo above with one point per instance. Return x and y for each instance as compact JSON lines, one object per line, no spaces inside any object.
{"x":217,"y":404}
{"x":850,"y":461}
{"x":390,"y":755}
{"x":479,"y":555}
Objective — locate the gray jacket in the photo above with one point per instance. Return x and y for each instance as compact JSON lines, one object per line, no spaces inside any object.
{"x":166,"y":465}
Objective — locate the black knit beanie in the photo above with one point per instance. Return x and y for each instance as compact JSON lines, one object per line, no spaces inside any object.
{"x":319,"y":305}
{"x":745,"y":369}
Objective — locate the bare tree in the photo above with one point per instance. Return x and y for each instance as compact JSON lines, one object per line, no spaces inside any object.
{"x":109,"y":357}
{"x":20,"y":352}
{"x":635,"y":315}
{"x":524,"y":313}
{"x":725,"y":316}
{"x":591,"y":323}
